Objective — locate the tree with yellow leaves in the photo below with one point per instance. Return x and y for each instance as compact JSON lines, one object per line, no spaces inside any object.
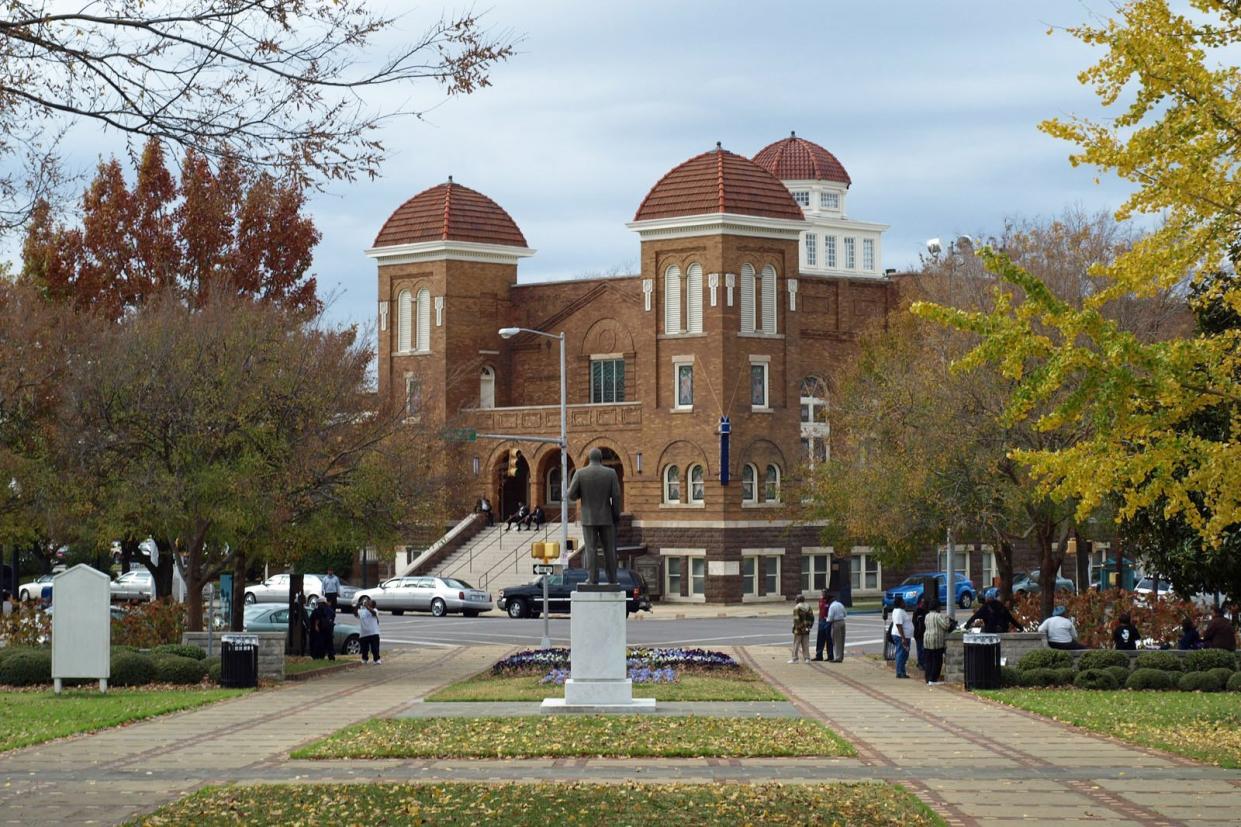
{"x":1176,"y":136}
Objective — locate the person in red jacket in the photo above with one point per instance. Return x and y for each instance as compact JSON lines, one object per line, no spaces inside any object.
{"x":1219,"y":633}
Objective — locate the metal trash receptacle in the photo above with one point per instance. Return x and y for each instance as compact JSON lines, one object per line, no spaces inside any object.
{"x":239,"y":661}
{"x":982,"y":661}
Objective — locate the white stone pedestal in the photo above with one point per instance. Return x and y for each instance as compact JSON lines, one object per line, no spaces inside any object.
{"x":597,"y":679}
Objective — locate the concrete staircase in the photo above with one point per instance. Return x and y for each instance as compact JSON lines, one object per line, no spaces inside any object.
{"x":495,"y":559}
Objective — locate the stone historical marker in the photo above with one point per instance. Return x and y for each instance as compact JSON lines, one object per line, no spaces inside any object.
{"x":81,"y":626}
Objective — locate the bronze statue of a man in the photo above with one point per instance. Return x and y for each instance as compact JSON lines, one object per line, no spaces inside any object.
{"x":598,"y":487}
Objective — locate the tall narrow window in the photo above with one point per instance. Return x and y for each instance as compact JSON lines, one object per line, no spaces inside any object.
{"x":672,"y":484}
{"x":815,"y":428}
{"x":607,"y":380}
{"x":771,"y":487}
{"x":487,"y":388}
{"x":868,"y":254}
{"x":413,"y":396}
{"x":850,"y":261}
{"x":811,"y":252}
{"x":424,"y":321}
{"x":685,"y":385}
{"x":769,"y":299}
{"x":697,"y":576}
{"x":748,"y":490}
{"x":672,"y":566}
{"x":672,"y":300}
{"x":404,"y":321}
{"x":693,"y":299}
{"x":553,"y":485}
{"x":771,"y":574}
{"x":697,"y":486}
{"x":758,"y":385}
{"x":829,"y":250}
{"x":747,"y":299}
{"x":749,"y":578}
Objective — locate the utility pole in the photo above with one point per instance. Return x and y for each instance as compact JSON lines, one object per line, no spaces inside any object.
{"x":951,"y":592}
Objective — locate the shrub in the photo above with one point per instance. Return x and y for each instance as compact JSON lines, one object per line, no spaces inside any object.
{"x":1045,"y":659}
{"x":1102,"y":659}
{"x":1234,"y":682}
{"x":1009,"y":676}
{"x":1144,"y":678}
{"x":26,"y":668}
{"x":1046,"y":677}
{"x":131,"y":669}
{"x":118,"y":649}
{"x":10,"y":651}
{"x":1206,"y":659}
{"x":1165,"y":661}
{"x":1200,"y":682}
{"x":1095,"y":679}
{"x":1120,"y":673}
{"x":150,"y":624}
{"x":213,"y":669}
{"x":176,"y":669}
{"x":180,"y":650}
{"x":1221,"y":674}
{"x":1065,"y":677}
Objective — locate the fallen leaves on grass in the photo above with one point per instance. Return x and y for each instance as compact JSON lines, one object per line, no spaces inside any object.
{"x":561,"y":736}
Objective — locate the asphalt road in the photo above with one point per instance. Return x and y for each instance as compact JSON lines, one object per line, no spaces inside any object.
{"x":865,"y":632}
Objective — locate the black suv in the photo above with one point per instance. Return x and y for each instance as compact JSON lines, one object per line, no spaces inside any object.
{"x":527,"y":600}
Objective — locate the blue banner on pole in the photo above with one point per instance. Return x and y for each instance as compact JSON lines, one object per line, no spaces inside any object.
{"x":226,"y":597}
{"x":725,"y":429}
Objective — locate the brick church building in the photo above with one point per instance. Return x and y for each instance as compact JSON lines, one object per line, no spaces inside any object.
{"x":754,"y":286}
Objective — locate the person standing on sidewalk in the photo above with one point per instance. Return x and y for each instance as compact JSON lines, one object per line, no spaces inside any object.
{"x":803,"y":622}
{"x":836,"y":620}
{"x":824,"y":636}
{"x":902,"y":627}
{"x":331,"y":589}
{"x":368,"y":620}
{"x":935,"y":641}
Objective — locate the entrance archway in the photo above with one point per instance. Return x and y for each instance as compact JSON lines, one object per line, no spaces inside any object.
{"x":513,"y":490}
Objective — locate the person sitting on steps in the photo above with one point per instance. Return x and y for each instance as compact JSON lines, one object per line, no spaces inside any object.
{"x":518,"y":517}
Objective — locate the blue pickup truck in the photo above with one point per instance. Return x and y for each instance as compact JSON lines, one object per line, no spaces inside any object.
{"x":911,"y":590}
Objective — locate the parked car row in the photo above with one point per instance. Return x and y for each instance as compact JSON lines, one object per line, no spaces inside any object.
{"x":275,"y":589}
{"x":1030,"y":584}
{"x":273,"y":618}
{"x":912,"y":588}
{"x":437,"y":595}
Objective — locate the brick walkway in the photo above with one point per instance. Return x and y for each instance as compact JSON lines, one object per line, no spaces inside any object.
{"x":974,"y":762}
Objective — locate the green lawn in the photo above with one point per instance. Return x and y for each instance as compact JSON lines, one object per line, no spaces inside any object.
{"x":1202,"y":726}
{"x":740,"y":685}
{"x":294,"y":665}
{"x":540,"y":805}
{"x":564,"y":736}
{"x":35,"y":717}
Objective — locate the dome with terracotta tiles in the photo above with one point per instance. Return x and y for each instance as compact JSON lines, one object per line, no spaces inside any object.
{"x":796,"y":159}
{"x":718,"y":181}
{"x":450,"y":212}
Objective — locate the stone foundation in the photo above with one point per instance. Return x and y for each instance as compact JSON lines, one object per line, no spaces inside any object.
{"x":1012,"y":646}
{"x":271,"y":650}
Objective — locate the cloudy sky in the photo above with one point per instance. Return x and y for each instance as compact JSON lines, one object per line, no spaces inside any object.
{"x":931,"y":106}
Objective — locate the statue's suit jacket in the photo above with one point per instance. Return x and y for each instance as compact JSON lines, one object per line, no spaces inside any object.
{"x":598,"y":487}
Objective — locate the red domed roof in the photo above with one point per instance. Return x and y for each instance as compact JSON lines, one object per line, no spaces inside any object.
{"x":796,"y":159}
{"x":718,"y":182}
{"x":450,"y":212}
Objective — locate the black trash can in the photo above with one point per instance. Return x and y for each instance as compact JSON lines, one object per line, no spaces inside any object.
{"x":239,"y":661}
{"x":982,"y":661}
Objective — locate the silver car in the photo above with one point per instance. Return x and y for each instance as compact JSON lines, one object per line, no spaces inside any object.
{"x":275,"y":589}
{"x":437,"y":595}
{"x":133,"y":585}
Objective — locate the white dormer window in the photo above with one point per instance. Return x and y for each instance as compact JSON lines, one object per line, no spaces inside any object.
{"x":868,"y":254}
{"x":850,"y":261}
{"x":802,"y":197}
{"x":829,"y":200}
{"x":812,"y":254}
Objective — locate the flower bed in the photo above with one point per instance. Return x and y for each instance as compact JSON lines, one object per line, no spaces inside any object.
{"x":545,"y":660}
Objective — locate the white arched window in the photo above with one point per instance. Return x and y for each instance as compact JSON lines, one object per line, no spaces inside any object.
{"x":424,"y":320}
{"x":749,"y":492}
{"x":697,"y":485}
{"x":672,"y":300}
{"x":747,"y":298}
{"x":487,"y":387}
{"x":672,"y":484}
{"x":771,"y":486}
{"x":404,"y":321}
{"x":769,"y":299}
{"x":693,"y":299}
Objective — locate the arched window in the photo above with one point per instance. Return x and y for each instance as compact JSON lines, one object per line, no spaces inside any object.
{"x":747,"y":298}
{"x":672,"y":484}
{"x":749,"y":491}
{"x":404,"y":321}
{"x":769,"y":299}
{"x":771,"y":486}
{"x":424,"y":320}
{"x":487,"y":387}
{"x":697,"y":486}
{"x":693,"y":299}
{"x":672,"y":299}
{"x":815,"y":429}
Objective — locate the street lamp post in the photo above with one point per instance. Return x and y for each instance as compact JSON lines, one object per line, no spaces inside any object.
{"x":508,"y":333}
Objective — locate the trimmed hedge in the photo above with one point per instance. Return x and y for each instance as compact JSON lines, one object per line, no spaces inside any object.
{"x":1204,"y":660}
{"x":10,"y":651}
{"x":1046,"y":677}
{"x":1009,"y":676}
{"x":1166,"y":661}
{"x":213,"y":669}
{"x":26,"y":668}
{"x":180,"y":650}
{"x":1095,"y":679}
{"x":1120,"y":673}
{"x":1200,"y":682}
{"x":1221,"y":674}
{"x":131,"y":669}
{"x":1144,"y":678}
{"x":1103,"y":659}
{"x":1234,"y":683}
{"x":1045,"y":659}
{"x":179,"y":670}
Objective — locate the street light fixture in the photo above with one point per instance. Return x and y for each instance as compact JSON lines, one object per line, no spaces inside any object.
{"x":508,"y":333}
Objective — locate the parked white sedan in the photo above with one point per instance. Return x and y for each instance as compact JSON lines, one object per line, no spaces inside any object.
{"x":133,"y":585}
{"x":275,"y":589}
{"x":437,"y":595}
{"x":34,"y":589}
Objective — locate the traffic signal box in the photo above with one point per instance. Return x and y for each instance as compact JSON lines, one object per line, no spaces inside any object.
{"x":545,"y":551}
{"x":513,"y":453}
